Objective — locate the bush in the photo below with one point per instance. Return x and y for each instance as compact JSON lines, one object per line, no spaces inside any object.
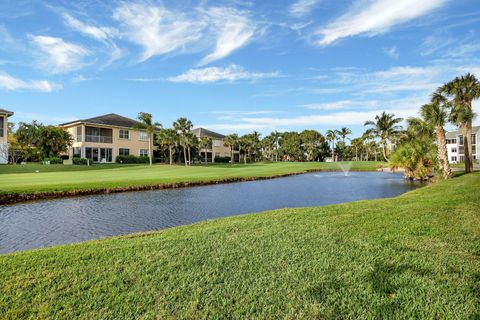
{"x":80,"y":161}
{"x":53,"y":160}
{"x":131,"y":159}
{"x":222,"y":159}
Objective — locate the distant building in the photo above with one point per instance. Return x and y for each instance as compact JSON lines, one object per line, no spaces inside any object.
{"x":217,"y":149}
{"x":103,"y":138}
{"x":456,"y":149}
{"x":4,"y":114}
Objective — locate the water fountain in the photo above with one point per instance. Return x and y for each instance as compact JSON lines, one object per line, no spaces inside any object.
{"x":345,"y":168}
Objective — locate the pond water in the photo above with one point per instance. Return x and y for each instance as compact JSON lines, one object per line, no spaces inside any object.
{"x":52,"y":222}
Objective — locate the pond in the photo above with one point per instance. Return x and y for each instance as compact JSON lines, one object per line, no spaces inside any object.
{"x":52,"y":222}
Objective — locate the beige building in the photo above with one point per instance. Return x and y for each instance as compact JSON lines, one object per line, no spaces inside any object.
{"x":103,"y":138}
{"x":217,"y":149}
{"x":4,"y":114}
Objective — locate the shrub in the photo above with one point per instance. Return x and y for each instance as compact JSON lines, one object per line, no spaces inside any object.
{"x":80,"y":161}
{"x":53,"y":160}
{"x":222,"y":159}
{"x":131,"y":159}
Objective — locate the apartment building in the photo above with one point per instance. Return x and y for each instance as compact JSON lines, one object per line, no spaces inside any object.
{"x":103,"y":138}
{"x":456,"y":148}
{"x":4,"y":114}
{"x":217,"y":149}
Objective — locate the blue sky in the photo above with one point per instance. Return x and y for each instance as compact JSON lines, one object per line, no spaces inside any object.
{"x":233,"y":66}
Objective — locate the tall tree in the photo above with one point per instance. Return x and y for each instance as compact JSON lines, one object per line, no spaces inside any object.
{"x":183,"y":126}
{"x":331,"y":136}
{"x":435,"y":114}
{"x":231,"y":141}
{"x":276,"y":136}
{"x":206,"y":143}
{"x":464,"y":90}
{"x":168,"y":138}
{"x":385,"y":127}
{"x":147,"y":124}
{"x":344,"y":132}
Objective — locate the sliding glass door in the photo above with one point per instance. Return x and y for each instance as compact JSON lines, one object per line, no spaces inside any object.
{"x":99,"y":154}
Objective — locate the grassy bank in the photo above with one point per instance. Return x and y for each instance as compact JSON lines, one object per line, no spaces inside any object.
{"x":141,"y":175}
{"x":412,"y":257}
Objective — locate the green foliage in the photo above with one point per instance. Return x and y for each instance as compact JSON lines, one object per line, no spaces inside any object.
{"x":411,"y":257}
{"x":132,"y":159}
{"x":53,"y":160}
{"x":80,"y":161}
{"x":418,"y":157}
{"x":222,"y":159}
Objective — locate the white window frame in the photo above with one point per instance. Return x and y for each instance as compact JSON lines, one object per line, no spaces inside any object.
{"x":124,"y":131}
{"x":142,"y":136}
{"x":143,"y":155}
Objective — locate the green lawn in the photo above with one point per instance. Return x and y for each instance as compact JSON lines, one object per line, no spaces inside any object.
{"x":412,"y":257}
{"x":136,"y":175}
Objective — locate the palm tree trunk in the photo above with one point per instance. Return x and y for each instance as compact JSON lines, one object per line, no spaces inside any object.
{"x":466,"y":141}
{"x":231,"y":154}
{"x":189,"y":156}
{"x":170,"y":155}
{"x":333,"y":151}
{"x":150,"y":149}
{"x":442,"y":152}
{"x":469,"y":145}
{"x":206,"y":154}
{"x":384,"y":150}
{"x":185,"y":154}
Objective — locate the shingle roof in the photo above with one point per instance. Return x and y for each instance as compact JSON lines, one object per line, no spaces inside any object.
{"x":8,"y":113}
{"x":453,"y":134}
{"x":202,"y":132}
{"x":110,"y":119}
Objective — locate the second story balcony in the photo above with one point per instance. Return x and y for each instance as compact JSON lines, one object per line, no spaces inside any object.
{"x":99,"y":139}
{"x":99,"y":135}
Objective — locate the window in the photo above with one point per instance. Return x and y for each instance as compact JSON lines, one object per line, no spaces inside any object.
{"x":454,"y":149}
{"x":79,"y":133}
{"x":454,"y":159}
{"x":124,"y":152}
{"x":142,"y":135}
{"x":460,"y":140}
{"x":143,"y":152}
{"x":77,"y":152}
{"x":124,"y":134}
{"x":474,"y":139}
{"x":2,"y":124}
{"x":217,"y":143}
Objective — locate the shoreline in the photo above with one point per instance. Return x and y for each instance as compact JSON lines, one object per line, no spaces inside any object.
{"x":15,"y":198}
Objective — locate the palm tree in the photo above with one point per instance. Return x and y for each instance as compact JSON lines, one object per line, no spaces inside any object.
{"x":331,"y":136}
{"x":435,"y":114}
{"x":357,"y":144}
{"x":245,"y":144}
{"x":276,"y":136}
{"x":464,"y":90}
{"x":183,"y":126}
{"x":385,"y":127}
{"x":192,"y":141}
{"x":148,"y":125}
{"x":168,"y":138}
{"x":367,"y":137}
{"x":205,"y":143}
{"x":231,"y":142}
{"x":344,"y":132}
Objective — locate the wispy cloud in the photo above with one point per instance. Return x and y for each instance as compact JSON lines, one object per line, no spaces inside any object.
{"x":391,"y":52}
{"x":58,"y":55}
{"x":301,"y":8}
{"x":216,"y":74}
{"x":9,"y":83}
{"x":374,"y":17}
{"x":156,"y":29}
{"x":234,"y":30}
{"x":338,"y":105}
{"x":93,"y":31}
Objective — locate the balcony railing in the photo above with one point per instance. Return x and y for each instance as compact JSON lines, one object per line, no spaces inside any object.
{"x":99,"y":139}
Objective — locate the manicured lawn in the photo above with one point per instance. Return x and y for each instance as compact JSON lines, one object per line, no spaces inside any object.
{"x":135,"y":175}
{"x":34,"y":167}
{"x":412,"y":257}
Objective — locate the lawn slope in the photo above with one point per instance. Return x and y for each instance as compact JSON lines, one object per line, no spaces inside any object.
{"x":412,"y":257}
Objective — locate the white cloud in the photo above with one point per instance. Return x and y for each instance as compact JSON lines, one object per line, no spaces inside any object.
{"x":61,"y":56}
{"x":215,"y":74}
{"x":373,"y":17}
{"x":97,"y":33}
{"x":234,"y":30}
{"x":10,"y":83}
{"x":301,"y":8}
{"x":158,"y":30}
{"x":391,"y":52}
{"x":338,"y":105}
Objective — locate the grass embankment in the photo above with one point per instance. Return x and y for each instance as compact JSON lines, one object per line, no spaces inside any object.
{"x":412,"y":257}
{"x":66,"y":183}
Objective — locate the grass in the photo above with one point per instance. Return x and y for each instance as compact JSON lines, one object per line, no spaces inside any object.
{"x":137,"y":175}
{"x":34,"y":167}
{"x":416,"y":256}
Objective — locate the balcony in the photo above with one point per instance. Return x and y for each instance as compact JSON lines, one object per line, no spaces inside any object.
{"x":99,"y":139}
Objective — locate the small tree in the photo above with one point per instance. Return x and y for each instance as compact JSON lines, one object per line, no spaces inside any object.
{"x":148,"y":125}
{"x":205,"y":143}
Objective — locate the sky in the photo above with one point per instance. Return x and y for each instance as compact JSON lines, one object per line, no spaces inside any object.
{"x":233,"y":66}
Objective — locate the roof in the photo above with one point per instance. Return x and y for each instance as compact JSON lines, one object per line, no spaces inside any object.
{"x":454,"y":134}
{"x":110,"y":119}
{"x":202,"y":132}
{"x":8,"y":113}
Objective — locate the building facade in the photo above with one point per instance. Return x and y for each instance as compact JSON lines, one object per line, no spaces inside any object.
{"x":456,"y":148}
{"x":4,"y":114}
{"x":103,"y":138}
{"x":217,"y":149}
